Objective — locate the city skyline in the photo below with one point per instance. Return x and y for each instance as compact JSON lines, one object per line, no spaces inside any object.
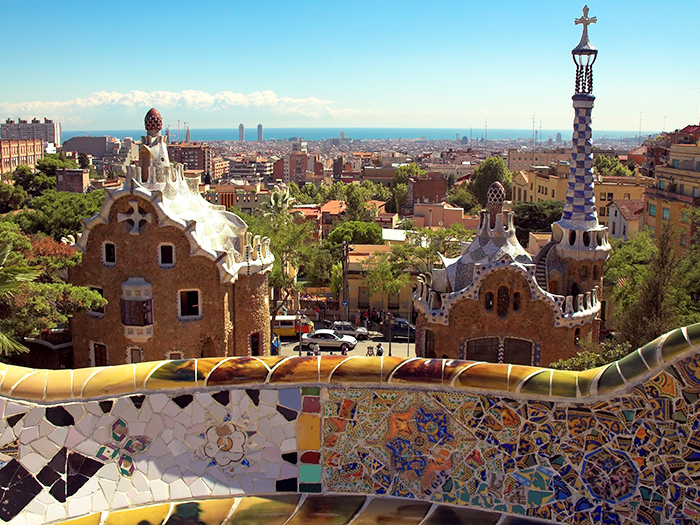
{"x":443,"y":65}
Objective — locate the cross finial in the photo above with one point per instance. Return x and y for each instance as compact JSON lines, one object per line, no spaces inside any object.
{"x":135,"y":217}
{"x":585,"y":20}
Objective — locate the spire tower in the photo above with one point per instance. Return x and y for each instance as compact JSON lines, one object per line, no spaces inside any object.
{"x":578,"y":233}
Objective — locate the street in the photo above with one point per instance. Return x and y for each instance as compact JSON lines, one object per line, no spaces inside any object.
{"x":399,"y":347}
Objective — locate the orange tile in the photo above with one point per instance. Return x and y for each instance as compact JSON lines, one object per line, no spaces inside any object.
{"x":359,"y":370}
{"x":59,"y":385}
{"x":308,"y":432}
{"x":31,"y":387}
{"x":296,"y":370}
{"x":110,"y":380}
{"x":237,"y":371}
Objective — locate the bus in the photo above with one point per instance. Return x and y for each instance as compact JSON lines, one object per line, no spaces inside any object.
{"x":287,"y":325}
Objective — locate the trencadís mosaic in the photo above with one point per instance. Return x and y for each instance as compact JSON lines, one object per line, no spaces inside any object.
{"x":618,"y":444}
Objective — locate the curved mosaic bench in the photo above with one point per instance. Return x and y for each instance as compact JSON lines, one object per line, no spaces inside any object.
{"x":616,"y":444}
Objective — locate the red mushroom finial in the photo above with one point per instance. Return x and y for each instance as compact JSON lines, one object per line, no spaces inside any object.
{"x":153,"y":120}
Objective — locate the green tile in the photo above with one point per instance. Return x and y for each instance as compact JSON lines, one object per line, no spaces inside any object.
{"x":564,"y":383}
{"x":610,"y":379}
{"x":694,"y":333}
{"x":648,"y":352}
{"x":537,"y":384}
{"x":632,"y":366}
{"x":674,"y":344}
{"x":310,"y":391}
{"x":309,"y":473}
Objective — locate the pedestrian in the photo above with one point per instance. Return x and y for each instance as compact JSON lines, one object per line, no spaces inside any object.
{"x":318,"y":314}
{"x":358,"y":315}
{"x":380,"y":349}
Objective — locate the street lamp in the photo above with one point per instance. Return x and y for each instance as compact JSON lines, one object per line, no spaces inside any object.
{"x":298,"y":317}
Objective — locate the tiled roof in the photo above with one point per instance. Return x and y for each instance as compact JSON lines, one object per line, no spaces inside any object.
{"x":334,"y":207}
{"x":630,"y":209}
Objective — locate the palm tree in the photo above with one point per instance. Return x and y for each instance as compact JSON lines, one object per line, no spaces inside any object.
{"x":11,"y":278}
{"x":279,"y":207}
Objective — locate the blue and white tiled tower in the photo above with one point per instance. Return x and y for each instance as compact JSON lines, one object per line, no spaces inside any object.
{"x":578,"y":234}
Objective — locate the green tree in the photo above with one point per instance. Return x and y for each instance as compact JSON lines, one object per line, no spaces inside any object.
{"x":661,"y":303}
{"x":420,"y":251}
{"x":12,"y":198}
{"x":403,"y":173}
{"x":399,"y":198}
{"x":52,"y":162}
{"x":462,"y":197}
{"x":58,"y":214}
{"x":593,"y":355}
{"x":34,"y":184}
{"x":383,"y":277}
{"x":83,"y":160}
{"x":356,"y":232}
{"x":12,"y":277}
{"x":535,"y":217}
{"x":605,"y":165}
{"x":337,"y":279}
{"x":491,"y":170}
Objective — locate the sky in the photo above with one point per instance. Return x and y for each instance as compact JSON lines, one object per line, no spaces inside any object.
{"x":95,"y":65}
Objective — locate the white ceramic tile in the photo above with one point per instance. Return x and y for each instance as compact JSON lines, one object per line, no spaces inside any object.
{"x":179,"y":490}
{"x":157,"y":401}
{"x":59,"y":435}
{"x":45,"y":447}
{"x":32,"y":461}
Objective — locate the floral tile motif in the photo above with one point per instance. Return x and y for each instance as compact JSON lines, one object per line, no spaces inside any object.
{"x":123,"y":447}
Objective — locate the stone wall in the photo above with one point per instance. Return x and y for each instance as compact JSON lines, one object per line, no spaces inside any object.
{"x":617,"y":444}
{"x":534,"y":321}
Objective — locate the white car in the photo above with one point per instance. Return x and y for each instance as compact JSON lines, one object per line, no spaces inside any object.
{"x":328,"y":340}
{"x":347,"y":328}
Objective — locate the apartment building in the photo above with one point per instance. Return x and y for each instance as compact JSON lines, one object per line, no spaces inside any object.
{"x":16,"y":152}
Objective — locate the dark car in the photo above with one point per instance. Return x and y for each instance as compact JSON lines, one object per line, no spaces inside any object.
{"x":403,"y":329}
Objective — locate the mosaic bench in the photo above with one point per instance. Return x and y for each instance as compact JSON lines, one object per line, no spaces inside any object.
{"x":334,"y":439}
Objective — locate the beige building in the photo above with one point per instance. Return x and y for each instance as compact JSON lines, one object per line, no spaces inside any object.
{"x":16,"y":152}
{"x":675,"y":192}
{"x":549,"y":183}
{"x":442,"y":215}
{"x":524,"y":160}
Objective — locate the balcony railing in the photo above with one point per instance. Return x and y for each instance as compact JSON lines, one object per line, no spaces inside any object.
{"x":671,"y":196}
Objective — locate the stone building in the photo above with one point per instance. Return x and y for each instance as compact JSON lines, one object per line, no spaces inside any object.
{"x":182,"y":277}
{"x":496,"y":302}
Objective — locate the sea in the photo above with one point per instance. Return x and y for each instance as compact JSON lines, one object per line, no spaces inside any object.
{"x":362,"y":134}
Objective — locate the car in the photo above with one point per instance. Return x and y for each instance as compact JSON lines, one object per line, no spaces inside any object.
{"x":347,"y":328}
{"x":402,"y":328}
{"x":328,"y":340}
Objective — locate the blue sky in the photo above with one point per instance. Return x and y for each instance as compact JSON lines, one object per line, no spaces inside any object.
{"x":97,"y":65}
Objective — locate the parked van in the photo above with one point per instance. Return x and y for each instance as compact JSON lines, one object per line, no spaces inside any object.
{"x":286,"y":325}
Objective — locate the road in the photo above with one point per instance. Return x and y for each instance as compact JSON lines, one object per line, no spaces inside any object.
{"x":399,"y":347}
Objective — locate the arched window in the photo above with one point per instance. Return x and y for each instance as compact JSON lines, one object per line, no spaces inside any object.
{"x":488,"y":302}
{"x":516,"y":301}
{"x":503,"y":300}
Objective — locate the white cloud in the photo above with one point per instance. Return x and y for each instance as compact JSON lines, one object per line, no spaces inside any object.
{"x":188,"y":99}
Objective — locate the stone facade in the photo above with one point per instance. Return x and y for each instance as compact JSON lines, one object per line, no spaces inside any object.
{"x":182,"y":277}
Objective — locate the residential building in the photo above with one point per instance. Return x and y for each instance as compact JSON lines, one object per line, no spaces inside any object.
{"x":182,"y":278}
{"x":16,"y":152}
{"x":47,"y":130}
{"x":441,"y":215}
{"x":72,"y":180}
{"x":260,"y":132}
{"x":519,"y":159}
{"x":96,"y":146}
{"x":241,"y":133}
{"x":625,"y":218}
{"x":193,"y":156}
{"x":238,"y":194}
{"x":331,"y":213}
{"x":675,"y":193}
{"x":430,"y":189}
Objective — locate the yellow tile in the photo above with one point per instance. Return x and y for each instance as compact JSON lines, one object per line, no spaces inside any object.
{"x":237,"y":371}
{"x":328,"y":364}
{"x":92,"y":519}
{"x":585,"y":379}
{"x":204,"y":367}
{"x":517,"y":373}
{"x":270,"y":361}
{"x":296,"y":370}
{"x":272,"y":510}
{"x":214,"y":511}
{"x":32,"y":386}
{"x":389,"y":364}
{"x":173,"y":375}
{"x":358,"y":370}
{"x":110,"y":380}
{"x":388,"y":510}
{"x":539,"y":384}
{"x":142,"y":371}
{"x":80,"y":376}
{"x":59,"y":385}
{"x":327,"y":510}
{"x":12,"y":375}
{"x":308,"y":432}
{"x":419,"y":371}
{"x":489,"y":376}
{"x":153,"y":515}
